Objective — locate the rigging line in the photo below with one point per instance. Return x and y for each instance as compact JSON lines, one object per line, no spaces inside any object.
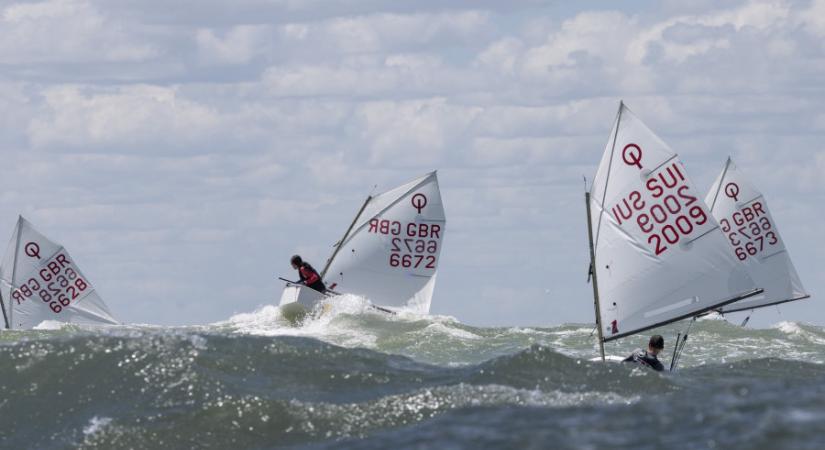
{"x":719,"y":187}
{"x":607,"y":177}
{"x":675,"y":348}
{"x":682,"y":346}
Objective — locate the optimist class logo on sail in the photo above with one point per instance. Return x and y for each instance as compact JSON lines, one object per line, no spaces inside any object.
{"x":413,"y":243}
{"x":663,"y":209}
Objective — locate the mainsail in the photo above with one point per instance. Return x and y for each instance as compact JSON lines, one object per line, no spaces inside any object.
{"x":658,"y":254}
{"x":754,"y":239}
{"x":40,"y":281}
{"x":390,"y":254}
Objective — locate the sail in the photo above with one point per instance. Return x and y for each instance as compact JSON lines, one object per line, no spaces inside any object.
{"x":391,"y":254}
{"x":754,"y":239}
{"x":40,"y":281}
{"x":658,"y":253}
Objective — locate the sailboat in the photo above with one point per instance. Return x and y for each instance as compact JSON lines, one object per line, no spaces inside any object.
{"x":388,"y":255}
{"x":39,"y":281}
{"x":754,"y":239}
{"x":656,"y":253}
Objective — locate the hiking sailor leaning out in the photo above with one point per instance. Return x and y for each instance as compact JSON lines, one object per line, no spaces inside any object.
{"x":309,"y":276}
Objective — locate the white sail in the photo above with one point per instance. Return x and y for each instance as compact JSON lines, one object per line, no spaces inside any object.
{"x":40,"y":281}
{"x":659,"y":254}
{"x":391,"y":254}
{"x":754,"y":239}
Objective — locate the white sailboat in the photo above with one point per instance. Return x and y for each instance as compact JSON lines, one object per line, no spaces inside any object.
{"x":754,"y":239}
{"x":40,"y":281}
{"x":657,"y":254}
{"x":390,"y":253}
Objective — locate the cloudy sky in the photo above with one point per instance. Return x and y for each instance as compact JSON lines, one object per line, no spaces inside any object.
{"x":182,"y":151}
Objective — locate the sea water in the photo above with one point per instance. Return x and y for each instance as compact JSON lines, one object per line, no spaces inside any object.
{"x":360,"y":378}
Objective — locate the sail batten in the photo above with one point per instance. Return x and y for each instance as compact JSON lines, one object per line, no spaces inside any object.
{"x":753,"y":238}
{"x":659,"y":256}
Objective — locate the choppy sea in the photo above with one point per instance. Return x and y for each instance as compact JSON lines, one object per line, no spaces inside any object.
{"x":359,"y":378}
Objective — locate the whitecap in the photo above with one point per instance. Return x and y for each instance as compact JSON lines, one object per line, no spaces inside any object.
{"x":95,"y":425}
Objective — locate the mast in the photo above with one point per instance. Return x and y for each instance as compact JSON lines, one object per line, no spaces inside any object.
{"x":341,"y":242}
{"x":14,"y":269}
{"x":3,"y":307}
{"x":590,"y":232}
{"x":593,"y":273}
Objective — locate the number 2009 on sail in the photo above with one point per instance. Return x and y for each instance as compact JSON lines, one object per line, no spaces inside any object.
{"x":665,"y":211}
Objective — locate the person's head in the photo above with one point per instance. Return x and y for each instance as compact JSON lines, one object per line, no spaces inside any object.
{"x":656,"y":344}
{"x":296,"y":261}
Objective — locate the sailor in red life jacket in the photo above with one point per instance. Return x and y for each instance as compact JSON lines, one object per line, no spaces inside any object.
{"x":309,"y":276}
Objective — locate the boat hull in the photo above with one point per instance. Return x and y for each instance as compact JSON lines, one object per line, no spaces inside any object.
{"x":297,"y":301}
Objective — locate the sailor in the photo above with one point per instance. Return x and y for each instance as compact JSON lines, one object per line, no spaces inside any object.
{"x":648,"y":358}
{"x":309,"y":276}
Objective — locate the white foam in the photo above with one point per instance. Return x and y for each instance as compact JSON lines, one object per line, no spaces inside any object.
{"x":443,"y":329}
{"x":50,"y":325}
{"x":324,"y":323}
{"x":788,"y":327}
{"x":95,"y":425}
{"x":713,"y":315}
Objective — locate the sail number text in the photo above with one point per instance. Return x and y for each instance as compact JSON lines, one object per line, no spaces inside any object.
{"x":413,"y":245}
{"x":665,"y":211}
{"x":57,"y":284}
{"x":749,"y":231}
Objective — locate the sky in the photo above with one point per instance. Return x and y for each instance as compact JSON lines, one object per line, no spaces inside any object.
{"x":183,"y":151}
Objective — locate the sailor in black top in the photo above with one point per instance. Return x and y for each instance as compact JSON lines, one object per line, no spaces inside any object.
{"x":648,"y":357}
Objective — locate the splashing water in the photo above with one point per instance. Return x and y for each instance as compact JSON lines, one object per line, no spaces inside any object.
{"x":357,"y":377}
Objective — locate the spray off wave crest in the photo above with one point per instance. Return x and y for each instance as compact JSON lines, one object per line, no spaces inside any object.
{"x":350,"y":321}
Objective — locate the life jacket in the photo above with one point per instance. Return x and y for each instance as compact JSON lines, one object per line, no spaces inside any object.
{"x":310,"y":277}
{"x":642,"y":357}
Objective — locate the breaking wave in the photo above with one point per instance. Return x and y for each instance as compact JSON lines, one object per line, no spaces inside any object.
{"x":356,"y":377}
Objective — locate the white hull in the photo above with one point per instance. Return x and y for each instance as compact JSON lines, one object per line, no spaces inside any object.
{"x":298,"y":300}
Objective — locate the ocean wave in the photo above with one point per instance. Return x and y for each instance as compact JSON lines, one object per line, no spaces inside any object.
{"x":255,"y":380}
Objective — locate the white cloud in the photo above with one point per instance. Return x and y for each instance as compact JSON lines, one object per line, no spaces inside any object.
{"x":418,"y":133}
{"x":120,"y":118}
{"x":239,"y":45}
{"x":600,"y":35}
{"x":396,"y":75}
{"x":67,"y":31}
{"x":502,"y":55}
{"x":388,"y":32}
